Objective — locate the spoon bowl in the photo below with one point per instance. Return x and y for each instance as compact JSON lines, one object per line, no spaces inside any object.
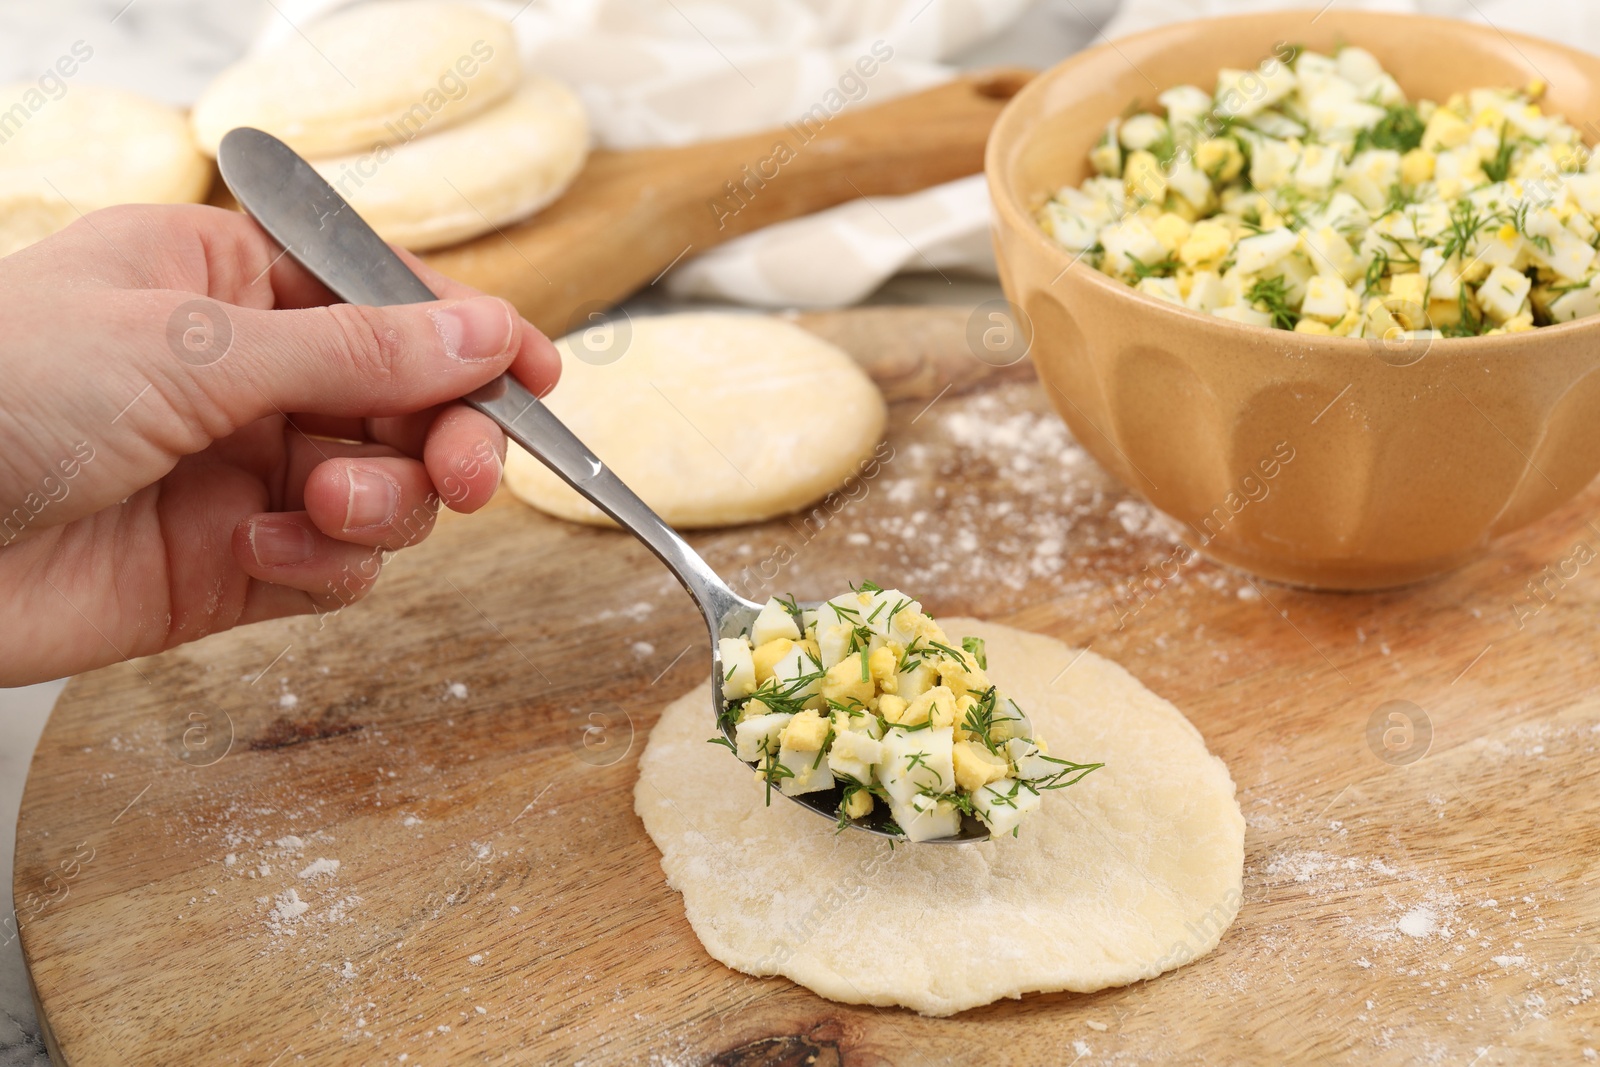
{"x":735,"y":621}
{"x":315,"y":225}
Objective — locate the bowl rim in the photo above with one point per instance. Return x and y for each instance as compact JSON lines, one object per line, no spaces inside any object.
{"x":1009,"y":129}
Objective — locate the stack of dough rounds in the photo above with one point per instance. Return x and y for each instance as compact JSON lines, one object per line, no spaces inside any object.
{"x":455,"y":184}
{"x":416,"y":111}
{"x":90,"y":148}
{"x":713,"y":419}
{"x":1134,"y":871}
{"x":351,"y":80}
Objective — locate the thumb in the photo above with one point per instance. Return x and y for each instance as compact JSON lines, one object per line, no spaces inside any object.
{"x":351,"y":360}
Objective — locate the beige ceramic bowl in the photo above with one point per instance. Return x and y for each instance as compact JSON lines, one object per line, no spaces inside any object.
{"x":1326,"y":462}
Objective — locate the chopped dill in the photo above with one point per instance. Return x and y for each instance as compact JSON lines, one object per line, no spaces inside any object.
{"x":1272,"y":294}
{"x":789,"y":604}
{"x":1377,"y":269}
{"x":849,"y":788}
{"x":779,"y":697}
{"x":962,"y":802}
{"x":1520,"y":222}
{"x":773,"y":771}
{"x":1165,"y":149}
{"x":1069,"y":774}
{"x":842,"y":613}
{"x":980,"y":718}
{"x":1400,"y":130}
{"x":909,"y":728}
{"x":1465,"y":225}
{"x":1161,"y":268}
{"x":823,"y":751}
{"x":1498,"y":168}
{"x":1401,"y":198}
{"x":1470,"y":324}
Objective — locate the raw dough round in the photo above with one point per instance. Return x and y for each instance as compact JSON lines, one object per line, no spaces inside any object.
{"x":372,"y":74}
{"x":495,"y":168}
{"x":1136,"y":870}
{"x":712,"y":418}
{"x":90,"y":148}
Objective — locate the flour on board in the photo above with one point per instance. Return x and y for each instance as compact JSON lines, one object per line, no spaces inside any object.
{"x":320,"y":866}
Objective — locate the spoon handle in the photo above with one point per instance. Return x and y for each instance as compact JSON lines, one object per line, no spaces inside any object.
{"x":533,"y":426}
{"x":324,"y":233}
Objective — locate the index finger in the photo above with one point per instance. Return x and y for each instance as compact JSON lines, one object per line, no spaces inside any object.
{"x":531,"y":367}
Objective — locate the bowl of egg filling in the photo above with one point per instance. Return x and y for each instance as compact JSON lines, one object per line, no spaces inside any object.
{"x":1325,"y":290}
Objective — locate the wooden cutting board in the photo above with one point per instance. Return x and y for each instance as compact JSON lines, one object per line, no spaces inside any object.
{"x":464,"y":743}
{"x":630,"y":216}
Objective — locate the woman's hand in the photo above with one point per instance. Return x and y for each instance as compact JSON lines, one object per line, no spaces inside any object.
{"x":191,"y":438}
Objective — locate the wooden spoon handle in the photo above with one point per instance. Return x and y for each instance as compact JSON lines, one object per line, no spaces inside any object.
{"x":630,"y":215}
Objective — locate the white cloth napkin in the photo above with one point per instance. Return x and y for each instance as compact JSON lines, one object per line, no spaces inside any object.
{"x":1574,"y":22}
{"x":672,"y":72}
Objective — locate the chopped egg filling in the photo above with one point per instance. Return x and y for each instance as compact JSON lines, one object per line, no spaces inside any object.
{"x":868,"y":696}
{"x":1310,"y":195}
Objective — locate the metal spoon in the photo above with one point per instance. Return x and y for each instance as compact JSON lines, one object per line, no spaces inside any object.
{"x":318,"y":228}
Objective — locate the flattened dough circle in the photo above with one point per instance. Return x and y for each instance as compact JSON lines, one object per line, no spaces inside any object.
{"x":495,"y":168}
{"x":1135,"y":871}
{"x":353,"y":79}
{"x":713,"y":418}
{"x":92,"y":147}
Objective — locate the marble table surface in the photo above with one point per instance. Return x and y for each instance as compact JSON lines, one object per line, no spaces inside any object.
{"x":170,"y":49}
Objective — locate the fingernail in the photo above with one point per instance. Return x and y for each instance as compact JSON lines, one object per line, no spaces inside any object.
{"x":373,"y":498}
{"x":474,"y":330}
{"x":547,"y":358}
{"x":279,"y":542}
